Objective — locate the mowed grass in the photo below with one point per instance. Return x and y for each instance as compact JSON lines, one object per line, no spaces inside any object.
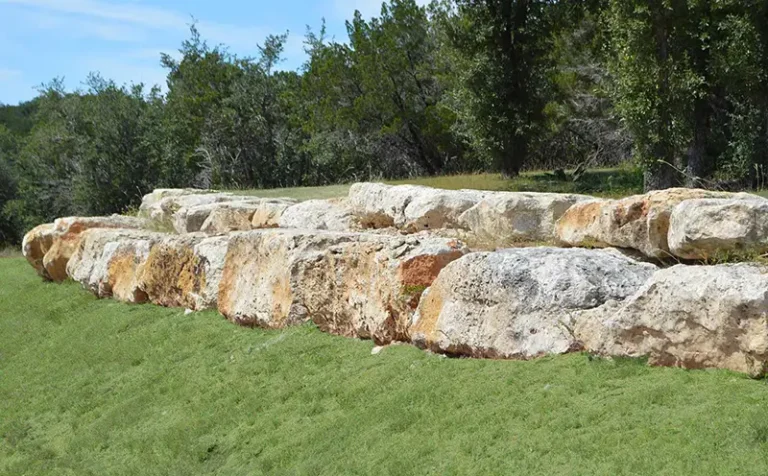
{"x":619,"y":182}
{"x":95,"y":387}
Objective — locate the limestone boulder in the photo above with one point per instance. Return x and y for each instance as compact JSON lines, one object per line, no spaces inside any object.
{"x":36,"y":244}
{"x":520,"y":303}
{"x":59,"y":241}
{"x":108,"y":262}
{"x":411,"y":208}
{"x":353,"y":284}
{"x":269,"y":211}
{"x":331,"y":215}
{"x":639,"y":222}
{"x":184,"y":271}
{"x":708,"y":228}
{"x":688,"y":316}
{"x":518,"y":216}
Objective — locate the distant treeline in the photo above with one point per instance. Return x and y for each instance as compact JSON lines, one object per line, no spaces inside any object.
{"x":677,"y":87}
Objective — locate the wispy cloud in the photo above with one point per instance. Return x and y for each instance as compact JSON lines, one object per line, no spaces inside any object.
{"x":124,"y":21}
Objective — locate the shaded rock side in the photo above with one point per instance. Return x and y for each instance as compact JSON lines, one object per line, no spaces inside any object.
{"x":639,"y":222}
{"x":688,"y":316}
{"x":520,"y":303}
{"x":705,"y":229}
{"x":352,"y":284}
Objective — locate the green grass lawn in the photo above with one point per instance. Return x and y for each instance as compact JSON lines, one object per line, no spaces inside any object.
{"x":94,"y":387}
{"x":600,"y":182}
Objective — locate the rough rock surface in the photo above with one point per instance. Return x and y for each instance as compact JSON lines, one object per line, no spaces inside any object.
{"x":352,"y":284}
{"x":410,"y":207}
{"x":331,"y":215}
{"x":513,"y":216}
{"x":691,"y":317}
{"x":640,"y":222}
{"x":702,"y":229}
{"x":269,"y":211}
{"x":184,"y":271}
{"x":520,"y":303}
{"x":108,"y":262}
{"x":180,"y":210}
{"x":57,"y":242}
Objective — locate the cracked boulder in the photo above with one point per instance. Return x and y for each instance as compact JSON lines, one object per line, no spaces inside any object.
{"x":331,"y":215}
{"x":412,"y":208}
{"x":48,"y":248}
{"x":505,"y":217}
{"x":352,"y":284}
{"x":705,"y":229}
{"x":639,"y":222}
{"x":520,"y":303}
{"x":688,"y":316}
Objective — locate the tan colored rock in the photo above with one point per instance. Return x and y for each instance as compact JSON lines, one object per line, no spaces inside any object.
{"x":331,"y":215}
{"x":184,"y":271}
{"x":688,"y":316}
{"x":640,"y":222}
{"x":410,"y":207}
{"x":107,"y":262}
{"x":36,"y":244}
{"x":60,"y":240}
{"x":352,"y":284}
{"x":269,"y":211}
{"x":520,"y":303}
{"x":712,"y":228}
{"x":518,"y":216}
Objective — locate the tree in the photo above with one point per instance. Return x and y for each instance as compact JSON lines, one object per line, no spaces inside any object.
{"x":501,"y":47}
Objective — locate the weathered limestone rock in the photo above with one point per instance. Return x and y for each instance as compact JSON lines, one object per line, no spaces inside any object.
{"x":36,"y":244}
{"x":184,"y":271}
{"x":688,"y":316}
{"x":108,"y":262}
{"x":513,"y":216}
{"x":269,"y":211}
{"x":640,"y":222}
{"x":352,"y":284}
{"x":150,"y":201}
{"x":520,"y":303}
{"x":702,"y":229}
{"x":410,"y":207}
{"x":180,"y":210}
{"x":58,"y":242}
{"x":331,"y":215}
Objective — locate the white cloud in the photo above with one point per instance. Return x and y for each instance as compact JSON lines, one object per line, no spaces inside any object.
{"x":126,"y":20}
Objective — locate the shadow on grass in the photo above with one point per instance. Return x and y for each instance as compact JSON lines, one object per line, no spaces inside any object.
{"x":603,"y":182}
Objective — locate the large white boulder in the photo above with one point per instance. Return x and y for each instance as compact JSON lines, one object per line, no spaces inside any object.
{"x":712,"y":228}
{"x":688,"y":316}
{"x":410,"y":207}
{"x":520,"y":303}
{"x":505,"y":217}
{"x":330,"y":215}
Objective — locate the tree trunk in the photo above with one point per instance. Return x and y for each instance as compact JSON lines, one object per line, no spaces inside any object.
{"x":696,"y":164}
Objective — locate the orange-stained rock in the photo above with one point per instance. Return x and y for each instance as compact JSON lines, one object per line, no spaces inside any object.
{"x":36,"y":244}
{"x":352,"y":284}
{"x":184,"y":271}
{"x":59,"y":241}
{"x":639,"y":222}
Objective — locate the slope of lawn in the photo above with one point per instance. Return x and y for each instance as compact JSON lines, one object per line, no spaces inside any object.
{"x":90,"y":387}
{"x":618,"y":182}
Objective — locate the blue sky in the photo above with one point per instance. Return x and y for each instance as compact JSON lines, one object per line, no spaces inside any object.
{"x":122,"y":39}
